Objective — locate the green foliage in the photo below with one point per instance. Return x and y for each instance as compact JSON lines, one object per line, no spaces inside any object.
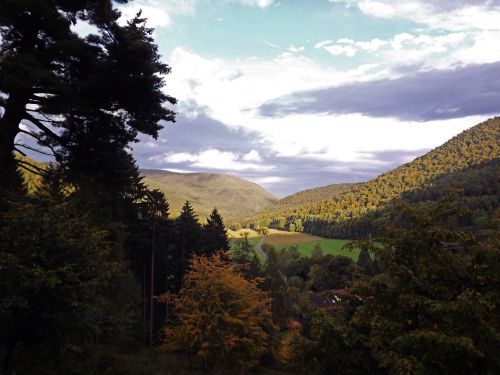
{"x":100,"y":91}
{"x":64,"y":283}
{"x":333,"y":272}
{"x":431,"y":310}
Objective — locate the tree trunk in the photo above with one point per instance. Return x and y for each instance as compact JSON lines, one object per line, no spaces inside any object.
{"x":15,"y":110}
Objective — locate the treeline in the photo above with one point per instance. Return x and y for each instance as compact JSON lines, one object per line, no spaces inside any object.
{"x":352,"y":214}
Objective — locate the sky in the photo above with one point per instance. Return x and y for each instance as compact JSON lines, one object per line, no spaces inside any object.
{"x":294,"y":94}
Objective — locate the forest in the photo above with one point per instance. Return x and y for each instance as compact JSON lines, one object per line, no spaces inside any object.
{"x":98,"y":277}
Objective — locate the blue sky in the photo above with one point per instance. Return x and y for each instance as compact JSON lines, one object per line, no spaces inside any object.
{"x":294,"y":94}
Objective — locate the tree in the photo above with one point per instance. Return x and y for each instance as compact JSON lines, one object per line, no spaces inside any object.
{"x":72,"y":89}
{"x":63,"y":280}
{"x":431,"y":309}
{"x":223,"y":320}
{"x":188,"y":236}
{"x":214,"y":234}
{"x":334,"y":272}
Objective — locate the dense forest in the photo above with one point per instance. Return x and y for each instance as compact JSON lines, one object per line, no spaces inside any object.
{"x":96,"y":277}
{"x":309,"y":196}
{"x":450,"y":170}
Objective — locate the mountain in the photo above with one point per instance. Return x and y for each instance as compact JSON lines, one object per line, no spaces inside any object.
{"x":233,"y":196}
{"x":351,"y":214}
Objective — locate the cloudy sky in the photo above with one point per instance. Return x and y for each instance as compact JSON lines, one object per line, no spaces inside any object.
{"x":293,"y":94}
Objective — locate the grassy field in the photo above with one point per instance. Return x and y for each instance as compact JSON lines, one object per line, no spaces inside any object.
{"x":305,"y":242}
{"x":328,"y":245}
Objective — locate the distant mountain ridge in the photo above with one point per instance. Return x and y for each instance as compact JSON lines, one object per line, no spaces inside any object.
{"x":233,"y":196}
{"x":351,"y":214}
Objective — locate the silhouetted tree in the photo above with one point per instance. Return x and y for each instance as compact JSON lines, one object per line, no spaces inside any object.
{"x":188,"y":236}
{"x":214,"y":234}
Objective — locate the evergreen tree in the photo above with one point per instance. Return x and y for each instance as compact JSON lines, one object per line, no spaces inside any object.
{"x":105,"y":84}
{"x":188,"y":235}
{"x":215,"y":234}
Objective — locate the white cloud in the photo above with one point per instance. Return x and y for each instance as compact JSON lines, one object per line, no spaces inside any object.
{"x":337,"y":50}
{"x":216,"y":159}
{"x":472,"y":16}
{"x":257,"y":3}
{"x":323,"y":43}
{"x":252,"y":156}
{"x":295,"y":49}
{"x":372,"y":45}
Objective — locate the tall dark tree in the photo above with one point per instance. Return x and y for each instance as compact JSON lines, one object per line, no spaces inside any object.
{"x":214,"y":234}
{"x":76,"y":92}
{"x":188,"y":236}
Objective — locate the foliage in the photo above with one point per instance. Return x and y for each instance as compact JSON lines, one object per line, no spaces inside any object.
{"x":99,"y":92}
{"x":432,"y":309}
{"x":214,"y":234}
{"x":64,"y":283}
{"x":222,"y":319}
{"x":333,"y":272}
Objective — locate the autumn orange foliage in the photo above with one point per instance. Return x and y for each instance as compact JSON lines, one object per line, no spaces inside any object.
{"x":222,"y":320}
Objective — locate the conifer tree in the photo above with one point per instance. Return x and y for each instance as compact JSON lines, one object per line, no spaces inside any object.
{"x":214,"y":234}
{"x":86,"y":93}
{"x":188,"y":236}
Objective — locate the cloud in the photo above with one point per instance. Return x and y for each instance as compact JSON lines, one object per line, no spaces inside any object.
{"x":213,"y":159}
{"x":323,"y":43}
{"x":295,"y":49}
{"x":430,"y":50}
{"x":473,"y":90}
{"x":253,"y":155}
{"x":256,"y":3}
{"x":444,"y":15}
{"x":337,"y":50}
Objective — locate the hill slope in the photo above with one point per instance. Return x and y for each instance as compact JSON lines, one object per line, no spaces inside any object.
{"x":233,"y":196}
{"x":340,"y":217}
{"x":314,"y":195}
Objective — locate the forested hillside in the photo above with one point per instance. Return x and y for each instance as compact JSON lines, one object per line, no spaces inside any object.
{"x":233,"y":196}
{"x":350,"y":214}
{"x":313,"y":195}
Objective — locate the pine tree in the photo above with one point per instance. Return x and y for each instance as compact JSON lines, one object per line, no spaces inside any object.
{"x":188,"y":233}
{"x":214,"y":234}
{"x":99,"y":91}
